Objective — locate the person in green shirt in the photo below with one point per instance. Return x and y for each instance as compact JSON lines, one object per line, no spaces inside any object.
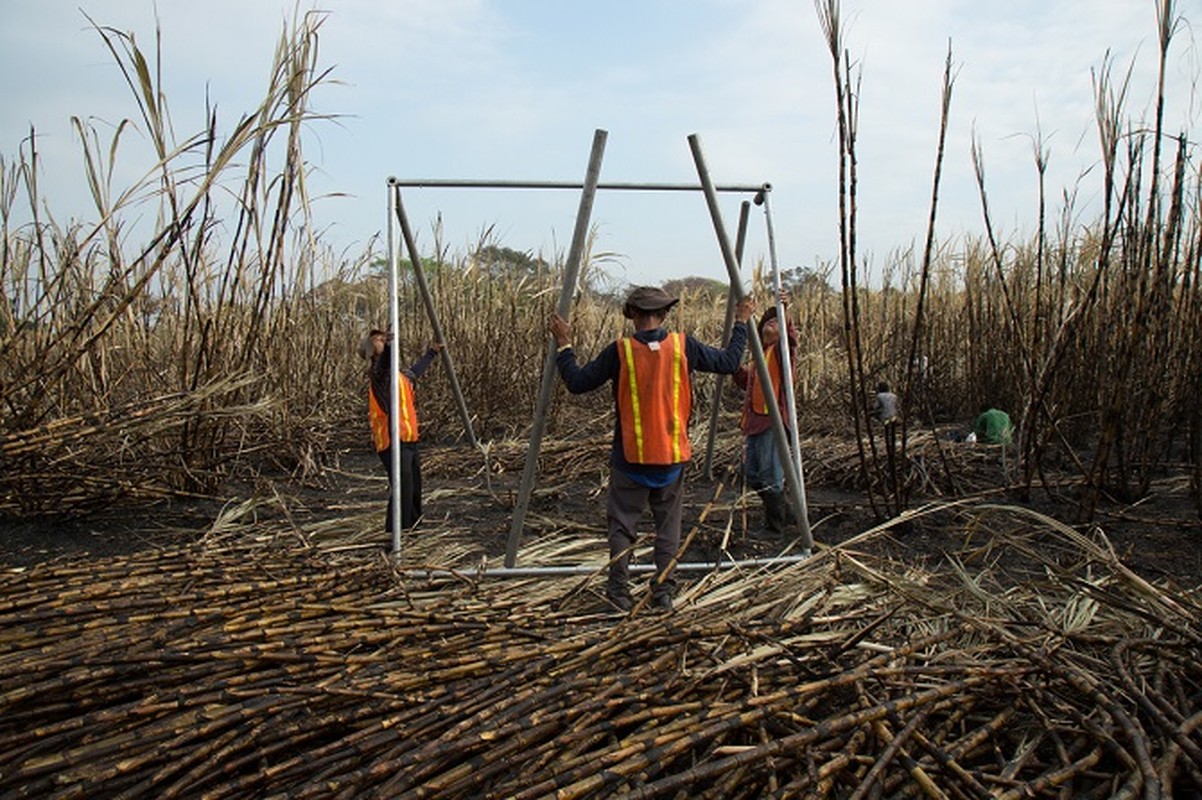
{"x":993,"y":426}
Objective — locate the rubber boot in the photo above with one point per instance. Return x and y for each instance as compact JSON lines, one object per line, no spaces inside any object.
{"x":774,"y":511}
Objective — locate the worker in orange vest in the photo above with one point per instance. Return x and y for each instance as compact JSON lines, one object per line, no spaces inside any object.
{"x":762,"y":467}
{"x":375,"y":347}
{"x":650,"y":373}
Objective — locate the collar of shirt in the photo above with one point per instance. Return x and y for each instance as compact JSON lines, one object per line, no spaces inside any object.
{"x":653,"y":335}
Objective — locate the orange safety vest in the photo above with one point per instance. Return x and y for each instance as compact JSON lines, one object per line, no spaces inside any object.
{"x":379,"y":416}
{"x":759,"y":401}
{"x":654,"y":400}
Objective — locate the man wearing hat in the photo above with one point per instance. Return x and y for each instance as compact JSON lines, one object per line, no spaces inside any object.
{"x":650,"y":372}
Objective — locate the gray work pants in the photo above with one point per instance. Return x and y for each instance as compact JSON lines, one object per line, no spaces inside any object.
{"x":623,"y":507}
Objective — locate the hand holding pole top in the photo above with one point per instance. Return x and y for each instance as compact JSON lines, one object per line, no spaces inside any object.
{"x":744,"y":310}
{"x":561,"y":329}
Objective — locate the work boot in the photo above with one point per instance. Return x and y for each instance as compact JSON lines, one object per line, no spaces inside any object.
{"x":617,"y":581}
{"x":662,"y":602}
{"x":620,"y":600}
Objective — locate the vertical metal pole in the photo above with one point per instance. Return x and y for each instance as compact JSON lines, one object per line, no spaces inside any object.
{"x":757,"y":350}
{"x":564,"y":308}
{"x":716,"y":406}
{"x":394,"y":371}
{"x":786,"y":358}
{"x":420,"y":275}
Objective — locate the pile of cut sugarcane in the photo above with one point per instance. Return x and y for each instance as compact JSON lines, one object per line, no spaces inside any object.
{"x":268,"y":664}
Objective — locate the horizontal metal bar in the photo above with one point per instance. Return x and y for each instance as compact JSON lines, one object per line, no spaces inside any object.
{"x":586,"y":569}
{"x":457,"y":183}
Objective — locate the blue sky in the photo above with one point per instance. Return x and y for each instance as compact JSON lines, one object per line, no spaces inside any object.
{"x":491,"y":89}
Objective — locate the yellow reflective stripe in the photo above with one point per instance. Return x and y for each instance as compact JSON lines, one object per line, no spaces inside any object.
{"x":379,"y":422}
{"x":403,"y":429}
{"x":634,"y":398}
{"x":677,"y":357}
{"x":409,"y":412}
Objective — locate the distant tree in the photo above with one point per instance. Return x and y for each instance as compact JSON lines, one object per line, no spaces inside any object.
{"x":379,"y":267}
{"x":500,"y":261}
{"x":806,"y":280}
{"x":695,"y":285}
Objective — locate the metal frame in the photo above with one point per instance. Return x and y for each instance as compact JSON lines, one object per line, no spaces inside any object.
{"x":786,"y":360}
{"x":454,"y":183}
{"x":588,"y":188}
{"x":728,"y":325}
{"x":793,"y":474}
{"x":567,"y":570}
{"x":394,"y":370}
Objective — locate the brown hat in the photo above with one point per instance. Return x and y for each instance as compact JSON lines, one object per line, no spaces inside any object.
{"x":648,"y":298}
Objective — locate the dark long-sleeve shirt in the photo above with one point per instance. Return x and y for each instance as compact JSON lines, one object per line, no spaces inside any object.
{"x":381,"y":386}
{"x":606,"y":366}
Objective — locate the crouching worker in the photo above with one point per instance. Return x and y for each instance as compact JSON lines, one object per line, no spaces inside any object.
{"x":762,"y":466}
{"x":993,"y":426}
{"x":649,"y":371}
{"x":376,"y":348}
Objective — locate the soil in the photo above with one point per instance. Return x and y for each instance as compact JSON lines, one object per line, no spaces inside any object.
{"x":1160,"y":538}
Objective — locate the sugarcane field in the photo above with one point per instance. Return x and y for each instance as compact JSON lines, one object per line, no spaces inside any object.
{"x":279,"y":520}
